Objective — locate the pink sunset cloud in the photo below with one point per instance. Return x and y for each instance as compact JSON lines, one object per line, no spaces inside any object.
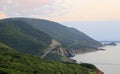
{"x":28,"y":8}
{"x":2,"y":15}
{"x":33,"y":3}
{"x":22,"y":7}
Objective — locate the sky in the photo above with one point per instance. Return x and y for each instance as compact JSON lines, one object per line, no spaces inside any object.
{"x":94,"y":17}
{"x":62,"y":10}
{"x":99,"y":30}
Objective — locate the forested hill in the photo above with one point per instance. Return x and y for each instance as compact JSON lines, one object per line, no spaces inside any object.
{"x":23,"y":37}
{"x":26,"y":36}
{"x":13,"y":62}
{"x":69,"y":37}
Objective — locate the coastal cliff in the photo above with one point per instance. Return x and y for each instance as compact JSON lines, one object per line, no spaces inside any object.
{"x":99,"y":72}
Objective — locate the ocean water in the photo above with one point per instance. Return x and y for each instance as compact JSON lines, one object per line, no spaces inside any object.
{"x":106,"y":60}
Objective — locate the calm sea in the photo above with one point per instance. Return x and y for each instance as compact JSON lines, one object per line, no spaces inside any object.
{"x":108,"y":61}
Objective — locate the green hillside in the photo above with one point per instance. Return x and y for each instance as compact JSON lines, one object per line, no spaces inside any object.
{"x":69,"y":37}
{"x":34,"y":36}
{"x":23,"y":37}
{"x":13,"y":62}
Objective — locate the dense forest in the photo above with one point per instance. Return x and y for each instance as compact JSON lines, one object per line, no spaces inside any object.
{"x":13,"y":62}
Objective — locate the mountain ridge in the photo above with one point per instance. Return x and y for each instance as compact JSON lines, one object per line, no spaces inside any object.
{"x":24,"y":38}
{"x":32,"y":43}
{"x":67,"y":36}
{"x":22,"y":35}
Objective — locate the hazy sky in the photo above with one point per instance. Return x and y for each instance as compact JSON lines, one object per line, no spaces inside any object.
{"x":99,"y":30}
{"x":84,"y":15}
{"x":62,"y":10}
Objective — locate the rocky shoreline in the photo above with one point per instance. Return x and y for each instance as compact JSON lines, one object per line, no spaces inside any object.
{"x":84,"y":51}
{"x":99,"y":72}
{"x":68,"y":53}
{"x":87,"y":50}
